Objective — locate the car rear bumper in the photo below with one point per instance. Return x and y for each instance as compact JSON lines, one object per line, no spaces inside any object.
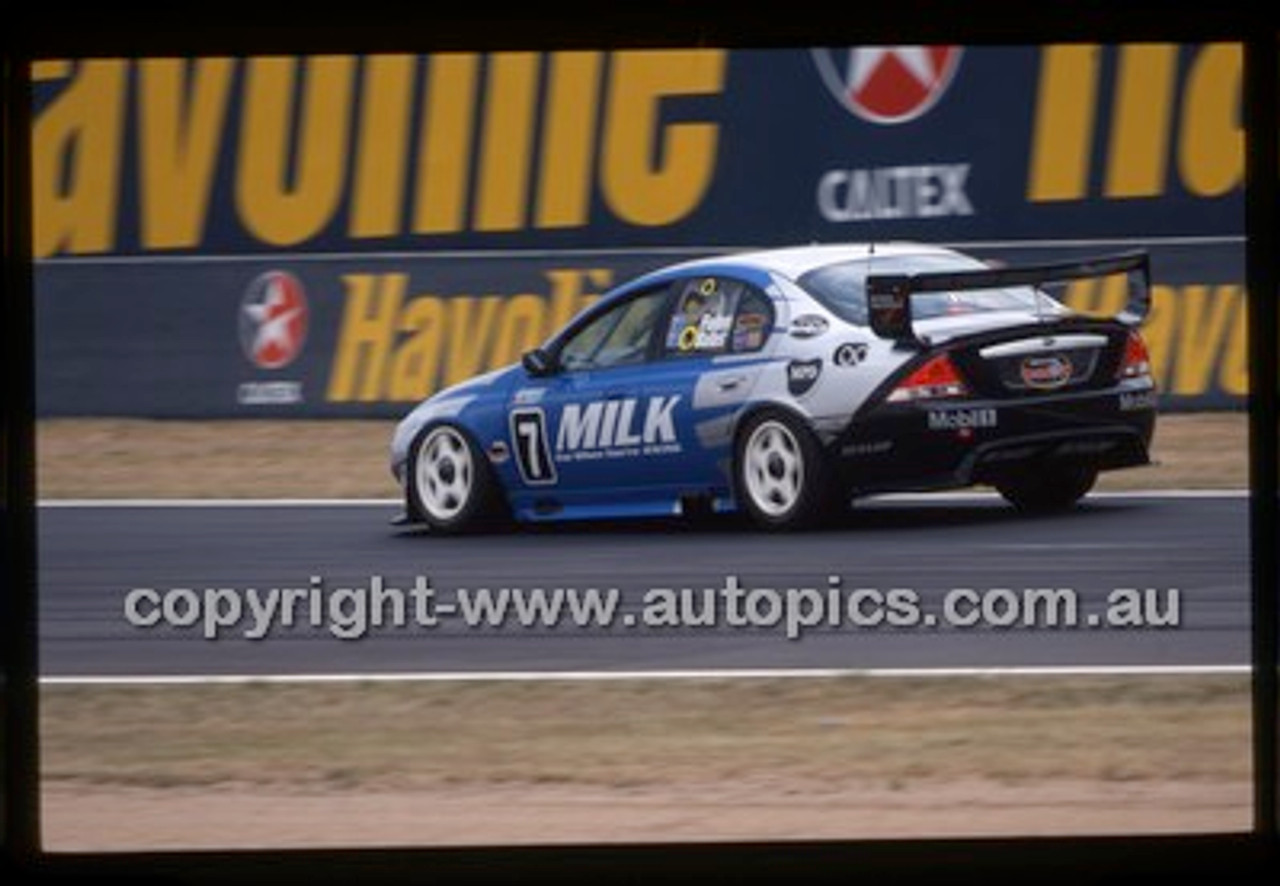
{"x":950,"y":444}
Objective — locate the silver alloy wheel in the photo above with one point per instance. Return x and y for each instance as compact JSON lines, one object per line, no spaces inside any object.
{"x":444,"y":473}
{"x":773,"y":468}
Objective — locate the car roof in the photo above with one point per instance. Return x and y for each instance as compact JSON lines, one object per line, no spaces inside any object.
{"x":794,"y":261}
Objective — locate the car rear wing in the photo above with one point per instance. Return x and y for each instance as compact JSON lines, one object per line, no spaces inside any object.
{"x":889,"y":295}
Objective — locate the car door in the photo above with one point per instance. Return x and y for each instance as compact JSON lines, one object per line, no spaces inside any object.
{"x":579,"y":433}
{"x":709,"y":359}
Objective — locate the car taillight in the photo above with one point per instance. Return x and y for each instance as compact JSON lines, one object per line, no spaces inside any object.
{"x":1137,"y":361}
{"x":935,"y":379}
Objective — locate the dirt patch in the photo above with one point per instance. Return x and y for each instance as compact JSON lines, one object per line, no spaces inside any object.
{"x":130,"y":458}
{"x":270,"y":764}
{"x":77,"y":818}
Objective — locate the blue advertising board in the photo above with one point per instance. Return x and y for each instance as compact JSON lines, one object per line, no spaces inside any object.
{"x":341,"y":235}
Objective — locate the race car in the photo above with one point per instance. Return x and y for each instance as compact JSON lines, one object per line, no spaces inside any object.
{"x":785,"y":383}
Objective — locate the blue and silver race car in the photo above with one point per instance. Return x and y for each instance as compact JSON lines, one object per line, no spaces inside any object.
{"x":784,"y":383}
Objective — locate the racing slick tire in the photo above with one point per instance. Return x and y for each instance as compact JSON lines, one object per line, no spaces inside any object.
{"x":1052,"y":488}
{"x":782,"y":478}
{"x":449,"y":483}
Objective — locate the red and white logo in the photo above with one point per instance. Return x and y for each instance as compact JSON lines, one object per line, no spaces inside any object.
{"x":888,"y":84}
{"x":1046,"y":373}
{"x":273,"y":320}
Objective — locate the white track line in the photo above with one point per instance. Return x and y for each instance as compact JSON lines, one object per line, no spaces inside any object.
{"x":620,"y":676}
{"x":901,"y":497}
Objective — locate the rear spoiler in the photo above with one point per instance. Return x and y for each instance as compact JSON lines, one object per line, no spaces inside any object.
{"x":889,"y":295}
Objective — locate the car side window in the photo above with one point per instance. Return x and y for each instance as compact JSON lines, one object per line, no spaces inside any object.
{"x":753,"y":321}
{"x":618,"y":337}
{"x":702,"y":317}
{"x":715,"y":315}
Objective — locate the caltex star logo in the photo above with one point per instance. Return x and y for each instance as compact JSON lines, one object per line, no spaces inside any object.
{"x":888,"y":84}
{"x":273,"y":320}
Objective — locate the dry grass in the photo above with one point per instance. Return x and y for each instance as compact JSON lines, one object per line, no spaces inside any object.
{"x":811,"y":735}
{"x":128,"y":458}
{"x":1192,"y":451}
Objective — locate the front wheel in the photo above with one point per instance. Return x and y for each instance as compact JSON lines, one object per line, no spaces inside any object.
{"x":783,"y":481}
{"x":1049,"y":489}
{"x":450,"y":485}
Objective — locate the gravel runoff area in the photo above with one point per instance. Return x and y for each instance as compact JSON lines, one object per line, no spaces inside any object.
{"x":454,"y":763}
{"x":131,"y":458}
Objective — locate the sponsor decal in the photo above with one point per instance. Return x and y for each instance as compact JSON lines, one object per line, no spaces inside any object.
{"x":709,"y":334}
{"x":803,"y":375}
{"x":1136,"y":402}
{"x":961,"y":419}
{"x":269,"y":393}
{"x":894,"y":192}
{"x":1046,"y":373}
{"x":808,"y":326}
{"x":748,"y":333}
{"x":273,"y":320}
{"x":888,"y":84}
{"x":874,"y":447}
{"x":620,"y":428}
{"x":705,"y":316}
{"x":849,"y":354}
{"x":498,"y":452}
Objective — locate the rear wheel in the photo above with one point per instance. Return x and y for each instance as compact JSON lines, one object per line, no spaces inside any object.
{"x":1053,"y":488}
{"x":450,"y":484}
{"x":783,"y":481}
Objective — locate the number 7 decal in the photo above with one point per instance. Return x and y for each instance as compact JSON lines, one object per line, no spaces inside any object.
{"x":529,"y":439}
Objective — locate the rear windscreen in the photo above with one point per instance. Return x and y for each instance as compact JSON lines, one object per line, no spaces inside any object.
{"x":842,"y":289}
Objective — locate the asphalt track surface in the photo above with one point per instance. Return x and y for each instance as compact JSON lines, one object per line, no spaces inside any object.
{"x":91,"y":557}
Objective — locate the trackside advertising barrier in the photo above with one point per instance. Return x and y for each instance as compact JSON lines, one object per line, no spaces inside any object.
{"x":343,"y":235}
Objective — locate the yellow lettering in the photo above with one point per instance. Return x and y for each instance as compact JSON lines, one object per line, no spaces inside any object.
{"x":287,"y":190}
{"x":366,"y":336}
{"x":413,"y":371}
{"x":51,"y":69}
{"x":383,"y":133}
{"x":1234,"y":374}
{"x":567,"y":295}
{"x":75,"y":162}
{"x":470,"y":331}
{"x":402,"y":349}
{"x":507,"y":149}
{"x":568,"y":142}
{"x":1211,"y":140}
{"x":1158,"y":332}
{"x":1089,"y":298}
{"x":641,"y":185}
{"x":520,"y":328}
{"x":1138,"y":154}
{"x":1063,"y":135}
{"x":1202,"y":328}
{"x":445,"y":158}
{"x":181,"y":111}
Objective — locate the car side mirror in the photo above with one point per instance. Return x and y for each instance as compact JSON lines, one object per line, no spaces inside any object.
{"x":538,"y":363}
